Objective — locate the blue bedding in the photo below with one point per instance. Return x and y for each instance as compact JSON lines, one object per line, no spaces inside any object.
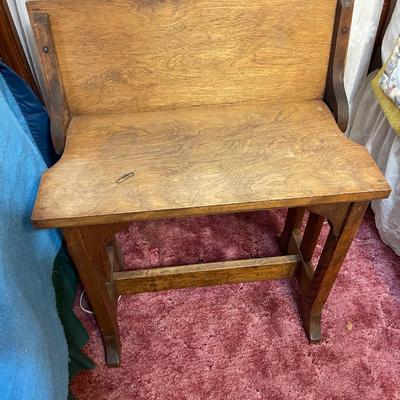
{"x":33,"y":349}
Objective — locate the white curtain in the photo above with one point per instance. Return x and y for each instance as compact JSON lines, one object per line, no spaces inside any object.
{"x":22,"y":24}
{"x":366,"y":17}
{"x":370,"y":128}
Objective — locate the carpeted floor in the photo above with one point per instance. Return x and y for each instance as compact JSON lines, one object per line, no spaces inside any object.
{"x":246,"y":341}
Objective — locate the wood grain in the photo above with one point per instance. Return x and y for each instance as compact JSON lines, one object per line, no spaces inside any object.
{"x":305,"y":272}
{"x":55,"y":97}
{"x":91,"y":260}
{"x":294,"y":219}
{"x":311,"y":234}
{"x":202,"y":161}
{"x":335,"y":94}
{"x":133,"y":55}
{"x":196,"y":275}
{"x":330,"y":262}
{"x":191,"y":107}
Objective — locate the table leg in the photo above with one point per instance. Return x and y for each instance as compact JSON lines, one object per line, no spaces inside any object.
{"x":88,"y":248}
{"x":340,"y":237}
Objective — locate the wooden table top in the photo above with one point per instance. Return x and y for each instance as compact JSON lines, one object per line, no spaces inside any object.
{"x":203,"y":160}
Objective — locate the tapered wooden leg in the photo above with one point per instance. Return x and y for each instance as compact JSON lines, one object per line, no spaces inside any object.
{"x":336,"y":246}
{"x":294,"y":220}
{"x":88,"y":248}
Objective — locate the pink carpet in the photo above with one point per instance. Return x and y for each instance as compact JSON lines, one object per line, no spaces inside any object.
{"x":246,"y":341}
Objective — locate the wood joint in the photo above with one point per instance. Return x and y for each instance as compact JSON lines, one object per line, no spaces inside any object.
{"x":334,"y":213}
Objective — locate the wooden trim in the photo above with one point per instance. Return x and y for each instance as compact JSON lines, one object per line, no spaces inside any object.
{"x":55,"y":97}
{"x":335,"y":94}
{"x":198,"y":211}
{"x":376,"y":58}
{"x":196,"y":275}
{"x":11,"y":51}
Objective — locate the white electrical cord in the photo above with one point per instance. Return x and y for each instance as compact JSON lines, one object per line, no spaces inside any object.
{"x":83,"y":308}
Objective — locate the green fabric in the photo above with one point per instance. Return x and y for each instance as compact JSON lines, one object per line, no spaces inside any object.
{"x":65,"y":282}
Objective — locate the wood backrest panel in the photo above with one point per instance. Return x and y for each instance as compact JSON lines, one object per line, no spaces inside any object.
{"x":135,"y":55}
